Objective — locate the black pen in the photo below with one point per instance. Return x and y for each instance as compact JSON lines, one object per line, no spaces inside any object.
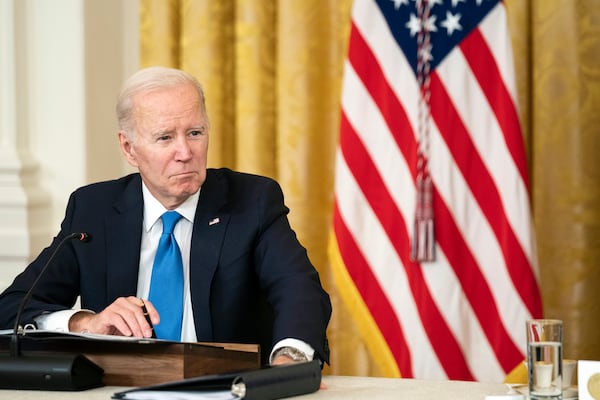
{"x":147,"y":316}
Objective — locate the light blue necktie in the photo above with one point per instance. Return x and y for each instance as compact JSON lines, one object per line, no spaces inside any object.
{"x":166,"y":284}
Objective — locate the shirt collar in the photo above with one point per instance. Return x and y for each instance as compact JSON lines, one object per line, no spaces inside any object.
{"x":153,"y":209}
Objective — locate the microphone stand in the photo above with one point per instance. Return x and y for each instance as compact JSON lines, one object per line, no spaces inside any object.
{"x":60,"y":371}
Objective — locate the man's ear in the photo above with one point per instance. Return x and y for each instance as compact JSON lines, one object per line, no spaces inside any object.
{"x":127,"y":148}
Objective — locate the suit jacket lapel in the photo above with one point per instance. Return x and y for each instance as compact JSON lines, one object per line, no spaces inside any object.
{"x":209,"y":230}
{"x":123,"y":241}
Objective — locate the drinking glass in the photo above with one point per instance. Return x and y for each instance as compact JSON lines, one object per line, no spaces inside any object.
{"x":544,"y":358}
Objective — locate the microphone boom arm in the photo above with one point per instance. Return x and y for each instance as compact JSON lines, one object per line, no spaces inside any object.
{"x":14,"y":341}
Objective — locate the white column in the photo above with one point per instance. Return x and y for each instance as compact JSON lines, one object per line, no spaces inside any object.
{"x":56,"y":106}
{"x":23,"y":204}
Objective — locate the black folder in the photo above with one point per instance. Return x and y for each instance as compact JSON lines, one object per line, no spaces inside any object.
{"x":267,"y":383}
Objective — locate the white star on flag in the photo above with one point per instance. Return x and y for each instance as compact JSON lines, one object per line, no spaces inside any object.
{"x":451,"y":23}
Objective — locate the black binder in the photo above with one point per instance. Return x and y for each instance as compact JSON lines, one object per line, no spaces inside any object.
{"x":267,"y":383}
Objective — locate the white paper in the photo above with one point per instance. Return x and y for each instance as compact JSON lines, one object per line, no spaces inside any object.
{"x":179,"y":395}
{"x":92,"y":336}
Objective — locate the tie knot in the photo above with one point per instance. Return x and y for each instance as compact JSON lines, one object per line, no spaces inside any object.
{"x":169,"y":220}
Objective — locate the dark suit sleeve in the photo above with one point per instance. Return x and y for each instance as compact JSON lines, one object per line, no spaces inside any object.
{"x":111,"y":212}
{"x":57,"y":288}
{"x":252,"y":279}
{"x":301,"y":306}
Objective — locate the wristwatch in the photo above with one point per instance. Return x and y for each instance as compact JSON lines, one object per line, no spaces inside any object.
{"x":291,"y":352}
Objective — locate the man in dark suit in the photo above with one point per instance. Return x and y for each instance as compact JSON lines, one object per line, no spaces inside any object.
{"x":246,"y":278}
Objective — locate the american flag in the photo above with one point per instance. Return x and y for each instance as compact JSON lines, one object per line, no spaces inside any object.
{"x":429,"y":90}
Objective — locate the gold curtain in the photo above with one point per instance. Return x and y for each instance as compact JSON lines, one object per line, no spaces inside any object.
{"x":272,"y":75}
{"x":557,"y":57}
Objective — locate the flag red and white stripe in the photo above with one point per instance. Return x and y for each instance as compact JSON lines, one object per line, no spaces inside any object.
{"x":463,"y":315}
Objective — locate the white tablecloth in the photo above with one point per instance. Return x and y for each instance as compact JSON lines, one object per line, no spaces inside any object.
{"x":338,"y":387}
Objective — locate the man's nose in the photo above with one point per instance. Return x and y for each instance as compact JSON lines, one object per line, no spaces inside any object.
{"x":183,"y":149}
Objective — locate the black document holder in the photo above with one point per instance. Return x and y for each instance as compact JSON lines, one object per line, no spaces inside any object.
{"x":267,"y":383}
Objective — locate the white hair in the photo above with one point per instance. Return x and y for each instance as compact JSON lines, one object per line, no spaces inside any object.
{"x":149,"y":79}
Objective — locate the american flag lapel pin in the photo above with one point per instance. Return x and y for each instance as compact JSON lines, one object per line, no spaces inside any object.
{"x":214,"y":221}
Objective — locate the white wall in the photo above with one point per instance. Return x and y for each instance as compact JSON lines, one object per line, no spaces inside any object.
{"x":62,"y":63}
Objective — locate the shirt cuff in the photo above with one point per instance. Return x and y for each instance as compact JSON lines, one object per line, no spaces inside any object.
{"x":56,"y":321}
{"x":295,"y":343}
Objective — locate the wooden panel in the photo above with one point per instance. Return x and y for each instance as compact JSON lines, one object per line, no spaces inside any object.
{"x":146,"y":362}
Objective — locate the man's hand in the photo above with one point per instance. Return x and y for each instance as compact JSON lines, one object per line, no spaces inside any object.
{"x":123,"y":317}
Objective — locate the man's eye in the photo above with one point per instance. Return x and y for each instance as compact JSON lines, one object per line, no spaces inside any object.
{"x":163,"y":138}
{"x":196,"y":133}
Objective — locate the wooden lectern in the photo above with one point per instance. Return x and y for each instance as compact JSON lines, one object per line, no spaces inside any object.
{"x":143,"y":362}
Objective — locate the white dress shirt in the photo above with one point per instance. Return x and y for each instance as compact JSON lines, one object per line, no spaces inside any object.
{"x":151,"y":233}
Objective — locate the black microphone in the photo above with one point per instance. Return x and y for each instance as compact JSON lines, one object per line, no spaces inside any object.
{"x":60,"y":371}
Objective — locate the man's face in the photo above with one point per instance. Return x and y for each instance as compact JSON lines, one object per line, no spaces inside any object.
{"x":171,"y":143}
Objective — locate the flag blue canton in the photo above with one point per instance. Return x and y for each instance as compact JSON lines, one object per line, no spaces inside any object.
{"x":450,"y":21}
